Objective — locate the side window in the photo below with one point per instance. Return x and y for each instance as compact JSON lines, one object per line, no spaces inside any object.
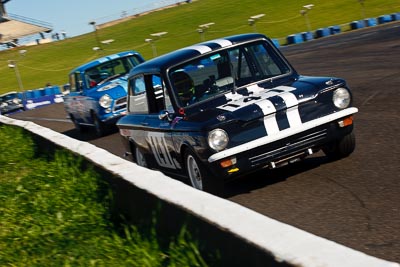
{"x":137,"y":101}
{"x":148,"y":95}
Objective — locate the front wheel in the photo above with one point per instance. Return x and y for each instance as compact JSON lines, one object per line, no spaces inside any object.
{"x":194,"y":172}
{"x":80,"y":128}
{"x":99,"y":126}
{"x":200,"y":178}
{"x":341,"y":148}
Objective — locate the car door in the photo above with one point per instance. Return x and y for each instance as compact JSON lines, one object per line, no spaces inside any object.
{"x":77,"y":103}
{"x":157,"y":125}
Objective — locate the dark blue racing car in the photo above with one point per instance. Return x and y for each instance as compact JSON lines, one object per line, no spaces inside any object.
{"x":223,"y":108}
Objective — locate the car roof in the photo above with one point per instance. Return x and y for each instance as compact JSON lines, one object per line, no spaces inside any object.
{"x":103,"y":59}
{"x":8,"y":93}
{"x":162,"y":63}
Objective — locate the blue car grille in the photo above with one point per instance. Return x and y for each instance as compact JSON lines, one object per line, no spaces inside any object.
{"x":120,"y":104}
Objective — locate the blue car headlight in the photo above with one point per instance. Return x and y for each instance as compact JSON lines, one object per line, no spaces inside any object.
{"x":105,"y":101}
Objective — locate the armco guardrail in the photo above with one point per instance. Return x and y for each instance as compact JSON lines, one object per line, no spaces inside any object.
{"x":242,"y":236}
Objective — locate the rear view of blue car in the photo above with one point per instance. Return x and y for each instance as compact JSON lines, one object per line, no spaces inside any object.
{"x":98,"y":89}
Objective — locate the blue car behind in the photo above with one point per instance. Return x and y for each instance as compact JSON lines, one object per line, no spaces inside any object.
{"x":98,"y":90}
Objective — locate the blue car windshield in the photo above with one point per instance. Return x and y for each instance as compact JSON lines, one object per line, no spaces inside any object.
{"x":109,"y":70}
{"x":225,"y":70}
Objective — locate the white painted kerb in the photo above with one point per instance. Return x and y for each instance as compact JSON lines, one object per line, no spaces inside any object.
{"x":285,"y":242}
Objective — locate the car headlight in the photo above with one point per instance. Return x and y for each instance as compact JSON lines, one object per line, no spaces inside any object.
{"x":105,"y":101}
{"x":218,"y":139}
{"x":16,"y":101}
{"x":341,"y":98}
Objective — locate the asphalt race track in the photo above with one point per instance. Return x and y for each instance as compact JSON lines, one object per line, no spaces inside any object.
{"x":353,"y":201}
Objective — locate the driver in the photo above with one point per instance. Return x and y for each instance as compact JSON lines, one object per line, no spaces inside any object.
{"x":184,"y":86}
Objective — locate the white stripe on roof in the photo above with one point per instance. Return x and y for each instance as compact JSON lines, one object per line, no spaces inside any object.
{"x":222,"y":42}
{"x":200,"y":48}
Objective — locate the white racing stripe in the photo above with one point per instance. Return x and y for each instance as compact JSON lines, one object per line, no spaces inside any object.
{"x":270,"y":122}
{"x":222,"y":42}
{"x":202,"y":49}
{"x":292,"y":112}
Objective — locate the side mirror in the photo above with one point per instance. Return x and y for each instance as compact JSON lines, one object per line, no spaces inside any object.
{"x":165,"y":115}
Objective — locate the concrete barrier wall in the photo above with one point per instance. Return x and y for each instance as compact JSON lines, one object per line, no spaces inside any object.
{"x":241,"y":236}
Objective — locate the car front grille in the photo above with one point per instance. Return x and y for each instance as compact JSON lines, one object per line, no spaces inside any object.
{"x":120,"y":104}
{"x":294,"y":145}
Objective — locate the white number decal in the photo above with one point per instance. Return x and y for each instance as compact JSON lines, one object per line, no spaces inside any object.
{"x":160,"y":150}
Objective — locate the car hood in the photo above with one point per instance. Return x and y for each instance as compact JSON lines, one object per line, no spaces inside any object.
{"x":259,"y":100}
{"x":116,"y":88}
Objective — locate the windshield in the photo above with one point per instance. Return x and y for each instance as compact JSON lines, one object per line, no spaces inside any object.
{"x":225,"y":70}
{"x":110,"y":70}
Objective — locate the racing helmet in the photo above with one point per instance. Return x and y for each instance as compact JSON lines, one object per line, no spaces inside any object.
{"x":184,"y":86}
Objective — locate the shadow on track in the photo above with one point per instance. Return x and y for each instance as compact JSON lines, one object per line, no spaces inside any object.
{"x":267,"y":177}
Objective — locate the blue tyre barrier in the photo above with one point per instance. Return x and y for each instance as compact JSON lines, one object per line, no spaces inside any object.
{"x":29,"y":94}
{"x":56,"y":90}
{"x":294,"y":39}
{"x":335,"y":29}
{"x":307,"y":36}
{"x":36,"y":93}
{"x":395,"y":16}
{"x":322,"y":32}
{"x":357,"y":25}
{"x":384,"y":19}
{"x":370,"y":22}
{"x":42,"y":92}
{"x":49,"y":91}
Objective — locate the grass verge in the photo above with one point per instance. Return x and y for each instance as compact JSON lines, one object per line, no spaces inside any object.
{"x":56,"y":213}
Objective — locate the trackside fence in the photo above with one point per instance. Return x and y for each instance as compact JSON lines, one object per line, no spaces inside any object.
{"x":240,"y":236}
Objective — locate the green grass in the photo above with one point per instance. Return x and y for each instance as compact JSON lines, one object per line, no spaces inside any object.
{"x":52,"y":62}
{"x":56,"y":213}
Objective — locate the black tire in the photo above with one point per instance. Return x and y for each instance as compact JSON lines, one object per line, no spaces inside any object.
{"x":99,"y":126}
{"x":199,"y":177}
{"x":77,"y":126}
{"x":341,"y":148}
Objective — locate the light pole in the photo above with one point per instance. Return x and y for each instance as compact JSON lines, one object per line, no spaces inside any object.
{"x":304,"y":12}
{"x":153,"y":46}
{"x":13,"y":65}
{"x":157,"y":35}
{"x":253,"y":19}
{"x":362,"y":8}
{"x":93,"y":23}
{"x":203,"y":28}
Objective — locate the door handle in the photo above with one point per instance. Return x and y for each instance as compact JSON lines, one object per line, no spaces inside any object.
{"x":145,"y":123}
